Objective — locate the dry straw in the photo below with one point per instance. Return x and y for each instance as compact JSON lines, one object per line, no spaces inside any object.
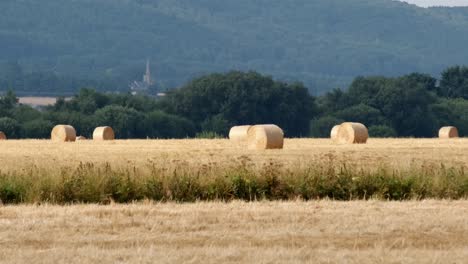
{"x":334,"y":132}
{"x":103,"y":133}
{"x":352,"y":133}
{"x":80,"y":138}
{"x":63,"y":133}
{"x":448,"y":132}
{"x":2,"y":136}
{"x":239,"y":134}
{"x":265,"y":137}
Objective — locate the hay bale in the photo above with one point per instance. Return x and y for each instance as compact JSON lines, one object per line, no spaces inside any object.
{"x":2,"y":136}
{"x":239,"y":134}
{"x":103,"y":133}
{"x":448,"y":132}
{"x":265,"y":137}
{"x":334,"y":132}
{"x":352,"y":133}
{"x":63,"y":133}
{"x":80,"y":138}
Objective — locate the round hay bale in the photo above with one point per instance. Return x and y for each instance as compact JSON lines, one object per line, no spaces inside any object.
{"x":448,"y":132}
{"x":265,"y":137}
{"x":239,"y":134}
{"x":63,"y":133}
{"x":2,"y":136}
{"x":352,"y":133}
{"x":334,"y":132}
{"x":103,"y":133}
{"x":80,"y":138}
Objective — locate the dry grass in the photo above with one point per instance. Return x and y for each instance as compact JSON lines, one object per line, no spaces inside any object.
{"x":237,"y":232}
{"x":394,"y":153}
{"x":266,"y":232}
{"x":38,"y":101}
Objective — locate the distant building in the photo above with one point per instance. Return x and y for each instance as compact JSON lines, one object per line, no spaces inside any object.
{"x":147,"y":77}
{"x":142,"y":87}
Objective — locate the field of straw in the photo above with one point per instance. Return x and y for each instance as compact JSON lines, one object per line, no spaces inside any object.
{"x":42,"y":171}
{"x":262,"y":232}
{"x":39,"y":101}
{"x":115,"y":202}
{"x":394,"y":153}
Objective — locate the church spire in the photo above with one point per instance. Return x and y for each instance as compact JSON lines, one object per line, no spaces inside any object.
{"x":147,"y":77}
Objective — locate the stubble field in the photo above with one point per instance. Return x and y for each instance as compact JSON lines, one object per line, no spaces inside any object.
{"x":211,"y":170}
{"x":395,"y":153}
{"x":237,"y":232}
{"x":45,"y":188}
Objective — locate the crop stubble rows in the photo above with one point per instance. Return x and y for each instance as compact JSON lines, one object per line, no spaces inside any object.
{"x":396,"y":153}
{"x":262,"y":232}
{"x":190,"y":170}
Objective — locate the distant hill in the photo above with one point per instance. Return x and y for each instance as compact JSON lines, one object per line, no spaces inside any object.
{"x":323,"y":43}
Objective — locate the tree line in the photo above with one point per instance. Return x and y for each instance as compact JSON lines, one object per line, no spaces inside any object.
{"x":414,"y":105}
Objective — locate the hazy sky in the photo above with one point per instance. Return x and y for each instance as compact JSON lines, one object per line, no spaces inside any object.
{"x":427,"y":3}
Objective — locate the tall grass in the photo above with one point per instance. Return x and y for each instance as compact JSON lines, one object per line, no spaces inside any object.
{"x":91,"y":183}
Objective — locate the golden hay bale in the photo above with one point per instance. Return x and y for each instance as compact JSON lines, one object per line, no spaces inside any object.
{"x":265,"y":137}
{"x":81,"y":138}
{"x":2,"y":136}
{"x":352,"y":133}
{"x":448,"y":132}
{"x":63,"y":133}
{"x":334,"y":132}
{"x":103,"y":133}
{"x":239,"y":133}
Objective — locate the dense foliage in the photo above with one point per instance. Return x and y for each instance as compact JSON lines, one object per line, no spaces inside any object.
{"x":324,"y":43}
{"x":219,"y":101}
{"x":90,"y":183}
{"x":409,"y":106}
{"x":210,"y":104}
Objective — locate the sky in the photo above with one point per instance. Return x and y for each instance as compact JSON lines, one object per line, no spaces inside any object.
{"x":427,"y":3}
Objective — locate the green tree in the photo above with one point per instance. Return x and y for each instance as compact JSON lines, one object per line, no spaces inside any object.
{"x":243,"y":98}
{"x":126,"y":122}
{"x":321,"y":127}
{"x":10,"y":127}
{"x":216,"y":124}
{"x":451,"y":112}
{"x":406,"y":106}
{"x":162,"y":125}
{"x":334,"y":101}
{"x":382,"y":131}
{"x":454,"y":82}
{"x":401,"y":103}
{"x":364,"y":89}
{"x":37,"y":129}
{"x":363,"y":114}
{"x":7,"y":103}
{"x":83,"y":123}
{"x":25,"y":113}
{"x":426,"y":81}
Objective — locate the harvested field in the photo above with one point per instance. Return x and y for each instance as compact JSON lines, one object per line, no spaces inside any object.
{"x":285,"y":224}
{"x":262,"y":232}
{"x":39,"y":101}
{"x":39,"y":171}
{"x":394,"y":153}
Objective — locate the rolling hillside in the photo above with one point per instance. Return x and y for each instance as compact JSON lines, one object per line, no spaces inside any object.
{"x":323,"y":43}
